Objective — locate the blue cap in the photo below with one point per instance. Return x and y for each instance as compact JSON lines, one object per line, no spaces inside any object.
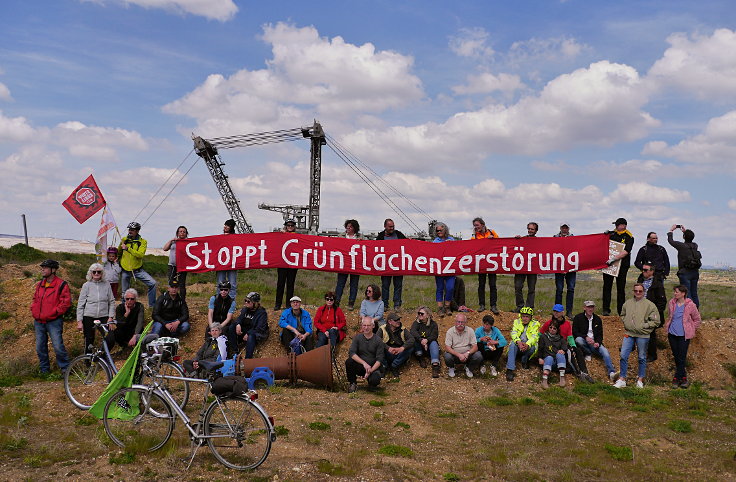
{"x":558,"y":307}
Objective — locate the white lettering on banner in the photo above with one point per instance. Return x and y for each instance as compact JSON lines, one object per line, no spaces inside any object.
{"x":448,"y":267}
{"x":226,"y":252}
{"x":188,"y":248}
{"x":206,"y":251}
{"x":295,"y":261}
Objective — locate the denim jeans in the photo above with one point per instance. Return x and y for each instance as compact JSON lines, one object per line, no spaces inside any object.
{"x":233,"y":341}
{"x":434,"y":350}
{"x":322,"y":339}
{"x":560,"y":280}
{"x":549,"y":359}
{"x":445,"y":288}
{"x":690,"y":280}
{"x":342,"y":278}
{"x":514,"y":352}
{"x":55,"y":329}
{"x":395,"y":361}
{"x":386,"y":286}
{"x":232,"y":277}
{"x":531,"y":284}
{"x":641,"y":349}
{"x":161,"y":330}
{"x":144,"y":278}
{"x":679,"y":347}
{"x":601,"y":351}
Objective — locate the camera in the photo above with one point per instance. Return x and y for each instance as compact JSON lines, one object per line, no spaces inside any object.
{"x":678,"y":225}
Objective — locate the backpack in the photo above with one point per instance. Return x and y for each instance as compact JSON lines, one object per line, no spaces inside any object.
{"x":694,"y":260}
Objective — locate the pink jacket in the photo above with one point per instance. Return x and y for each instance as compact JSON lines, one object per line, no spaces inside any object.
{"x":690,"y":317}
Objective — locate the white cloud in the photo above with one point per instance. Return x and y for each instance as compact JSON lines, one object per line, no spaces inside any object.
{"x":221,"y":10}
{"x":544,"y":50}
{"x":732,"y":204}
{"x":5,"y":92}
{"x":703,"y":65}
{"x":307,"y":75}
{"x":486,"y":82}
{"x":645,"y":193}
{"x":471,"y":42}
{"x":95,"y":142}
{"x":16,"y":129}
{"x":643,"y":169}
{"x":549,"y":166}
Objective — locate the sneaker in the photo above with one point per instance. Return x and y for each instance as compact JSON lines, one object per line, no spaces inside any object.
{"x":494,"y":372}
{"x":351,"y":306}
{"x":483,"y":370}
{"x":639,"y":384}
{"x":481,"y":308}
{"x":494,"y":310}
{"x":606,"y":313}
{"x":563,"y":382}
{"x":588,"y":358}
{"x":613,"y":376}
{"x":353,"y":388}
{"x":675,"y":383}
{"x":423,"y":361}
{"x":620,"y":383}
{"x":510,"y":375}
{"x":684,"y":383}
{"x":435,"y":370}
{"x":545,"y":384}
{"x":468,"y":372}
{"x":451,"y":372}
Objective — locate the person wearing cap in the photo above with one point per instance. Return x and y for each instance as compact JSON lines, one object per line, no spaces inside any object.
{"x":352,"y":231}
{"x":329,"y":322}
{"x":170,"y":313}
{"x":296,"y":322}
{"x":391,"y":233}
{"x":399,"y":342}
{"x":562,"y":279}
{"x":490,"y":344}
{"x":133,"y":248}
{"x":524,"y":340}
{"x":286,"y":277}
{"x":51,"y":299}
{"x":532,"y":229}
{"x":181,"y":233}
{"x":426,"y":332}
{"x":621,"y":235}
{"x":221,"y":308}
{"x":640,"y":317}
{"x":251,"y":326}
{"x":365,"y":357}
{"x":480,"y":231}
{"x":229,"y":275}
{"x":461,"y":347}
{"x":587,"y":329}
{"x":574,"y":354}
{"x":112,"y":270}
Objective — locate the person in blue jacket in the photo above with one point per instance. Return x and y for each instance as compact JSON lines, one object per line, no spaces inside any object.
{"x":490,"y":344}
{"x":295,"y":322}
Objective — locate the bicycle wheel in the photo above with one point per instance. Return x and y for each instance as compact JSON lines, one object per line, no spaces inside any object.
{"x":179,"y":389}
{"x":241,"y":433}
{"x":138,"y":419}
{"x":85,"y":379}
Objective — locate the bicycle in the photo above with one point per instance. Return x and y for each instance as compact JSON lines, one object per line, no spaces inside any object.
{"x":88,"y":375}
{"x":236,"y":428}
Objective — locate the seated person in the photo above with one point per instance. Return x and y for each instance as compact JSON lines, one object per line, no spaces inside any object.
{"x":212,"y":350}
{"x":329,"y":322}
{"x":170,"y":313}
{"x":575,"y":355}
{"x":490,"y":344}
{"x":365,"y":357}
{"x":425,"y":332}
{"x":399,"y":343}
{"x":552,"y":348}
{"x":373,"y":306}
{"x":221,"y":308}
{"x":524,"y":339}
{"x":296,"y":323}
{"x":461,"y":347}
{"x":130,"y":322}
{"x":587,"y":329}
{"x":251,"y":326}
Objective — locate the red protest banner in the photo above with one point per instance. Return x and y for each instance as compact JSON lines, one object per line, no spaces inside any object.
{"x":396,"y":257}
{"x":85,"y":200}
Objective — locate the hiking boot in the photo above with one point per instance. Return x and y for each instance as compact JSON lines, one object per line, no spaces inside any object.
{"x":568,"y":315}
{"x":351,"y":305}
{"x":494,"y":310}
{"x":451,"y":372}
{"x":510,"y":375}
{"x":684,"y":383}
{"x":441,"y":311}
{"x":481,"y":308}
{"x":525,"y":364}
{"x":483,"y":370}
{"x":588,"y":358}
{"x":675,"y":383}
{"x":494,"y":372}
{"x":353,"y":388}
{"x":587,"y":378}
{"x":423,"y":361}
{"x":563,"y":382}
{"x":395,"y":372}
{"x":545,"y":384}
{"x":606,"y":313}
{"x":468,"y":372}
{"x":435,"y":370}
{"x":620,"y":383}
{"x":639,"y":384}
{"x":276,"y":308}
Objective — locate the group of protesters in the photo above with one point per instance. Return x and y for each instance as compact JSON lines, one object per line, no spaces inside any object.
{"x":564,"y":343}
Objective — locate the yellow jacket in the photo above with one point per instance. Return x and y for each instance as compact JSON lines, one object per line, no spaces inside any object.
{"x":132,"y":258}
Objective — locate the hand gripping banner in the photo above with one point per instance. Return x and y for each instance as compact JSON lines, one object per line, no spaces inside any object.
{"x":392,"y":258}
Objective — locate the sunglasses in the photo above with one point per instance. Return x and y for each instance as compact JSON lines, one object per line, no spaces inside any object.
{"x":96,"y":272}
{"x":248,"y":301}
{"x":638,"y":291}
{"x":421,"y":313}
{"x":129,"y":299}
{"x":329,"y":299}
{"x":224,"y":290}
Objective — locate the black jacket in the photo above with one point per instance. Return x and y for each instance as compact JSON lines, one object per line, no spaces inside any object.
{"x":399,"y":235}
{"x":254,"y":323}
{"x":628,"y":241}
{"x":422,"y":330}
{"x":580,"y":327}
{"x":166,"y":309}
{"x":655,"y":254}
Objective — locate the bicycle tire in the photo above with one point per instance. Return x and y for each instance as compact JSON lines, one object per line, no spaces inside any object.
{"x":244,"y":432}
{"x":179,"y":389}
{"x":85,"y":379}
{"x":138,"y":418}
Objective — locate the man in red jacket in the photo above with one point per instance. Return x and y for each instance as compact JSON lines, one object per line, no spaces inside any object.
{"x":50,"y":301}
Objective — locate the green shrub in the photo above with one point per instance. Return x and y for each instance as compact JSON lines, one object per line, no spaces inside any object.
{"x":336,"y":470}
{"x":123,"y":458}
{"x":319,"y":426}
{"x":496,"y":402}
{"x":620,"y":453}
{"x":559,"y":396}
{"x":4,"y":315}
{"x":281,"y":431}
{"x":682,"y":426}
{"x":376,"y":403}
{"x":451,"y":477}
{"x":403,"y":425}
{"x":396,"y":451}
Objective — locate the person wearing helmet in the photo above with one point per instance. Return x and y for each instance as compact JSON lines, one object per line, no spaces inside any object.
{"x":221,"y":308}
{"x":228,"y":275}
{"x":112,"y":269}
{"x":51,"y":300}
{"x":251,"y":326}
{"x":286,"y":277}
{"x":181,"y":233}
{"x":524,"y":339}
{"x":133,"y":248}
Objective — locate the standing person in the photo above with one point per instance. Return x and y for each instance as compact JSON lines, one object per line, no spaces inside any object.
{"x":296,"y":323}
{"x":682,"y":323}
{"x":688,"y":261}
{"x":552,"y":349}
{"x":112,"y":269}
{"x":390,"y":233}
{"x":480,"y":231}
{"x":425,"y":332}
{"x":286,"y":277}
{"x":562,"y":279}
{"x":229,"y":275}
{"x":373,"y":306}
{"x":399,"y":343}
{"x":133,"y":248}
{"x":51,"y":299}
{"x":352,"y":231}
{"x":96,"y":302}
{"x":251,"y":326}
{"x":461,"y":347}
{"x":587,"y":329}
{"x":490,"y":344}
{"x":181,"y":233}
{"x":656,"y":256}
{"x":170,"y":313}
{"x":654,"y":292}
{"x":329,"y":322}
{"x":640,"y":317}
{"x":445,"y":285}
{"x":622,"y":235}
{"x":531,"y":279}
{"x":221,"y":308}
{"x":130,"y":322}
{"x":524,"y":340}
{"x":365,"y":357}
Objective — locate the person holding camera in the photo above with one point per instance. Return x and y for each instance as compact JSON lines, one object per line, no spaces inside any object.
{"x":688,"y":261}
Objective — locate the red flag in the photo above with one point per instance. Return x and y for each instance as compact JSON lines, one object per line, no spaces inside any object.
{"x":85,"y":200}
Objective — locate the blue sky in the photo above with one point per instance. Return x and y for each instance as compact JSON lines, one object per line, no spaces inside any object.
{"x":569,"y":111}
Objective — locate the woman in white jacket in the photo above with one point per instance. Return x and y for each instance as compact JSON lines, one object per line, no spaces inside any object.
{"x":96,"y":302}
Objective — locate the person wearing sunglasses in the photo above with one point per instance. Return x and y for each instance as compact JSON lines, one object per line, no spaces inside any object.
{"x":221,"y":308}
{"x":129,"y":316}
{"x":251,"y":326}
{"x":425,"y":332}
{"x":373,"y":306}
{"x":640,"y":317}
{"x":654,"y":292}
{"x":329,"y":322}
{"x":96,"y":302}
